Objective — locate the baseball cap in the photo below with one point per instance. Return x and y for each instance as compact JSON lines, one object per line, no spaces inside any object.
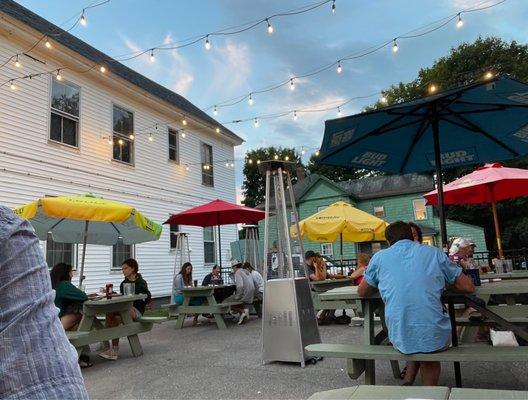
{"x":309,"y":254}
{"x":235,"y":263}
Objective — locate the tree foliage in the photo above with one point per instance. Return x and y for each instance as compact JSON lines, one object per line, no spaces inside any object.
{"x":253,"y":187}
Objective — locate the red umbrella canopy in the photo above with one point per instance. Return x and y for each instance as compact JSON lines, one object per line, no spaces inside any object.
{"x":487,"y":184}
{"x":217,"y":212}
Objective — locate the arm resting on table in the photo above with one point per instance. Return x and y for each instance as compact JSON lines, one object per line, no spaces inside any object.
{"x":463,"y":284}
{"x":365,"y":290}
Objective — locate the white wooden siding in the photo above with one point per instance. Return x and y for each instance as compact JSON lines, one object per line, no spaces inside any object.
{"x":31,"y":166}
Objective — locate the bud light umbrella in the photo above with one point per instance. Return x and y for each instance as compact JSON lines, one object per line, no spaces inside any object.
{"x":477,"y":123}
{"x":88,"y":219}
{"x":487,"y":184}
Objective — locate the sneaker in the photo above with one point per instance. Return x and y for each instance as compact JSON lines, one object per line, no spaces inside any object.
{"x":110,"y":354}
{"x":243,"y":316}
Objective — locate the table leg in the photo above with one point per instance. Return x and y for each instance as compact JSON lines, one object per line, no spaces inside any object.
{"x":182,"y":316}
{"x":219,"y":319}
{"x":133,"y":340}
{"x":368,"y":338}
{"x":454,"y":339}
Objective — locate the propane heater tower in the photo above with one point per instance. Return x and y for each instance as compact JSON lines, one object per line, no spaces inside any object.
{"x":251,"y":247}
{"x":288,"y":319}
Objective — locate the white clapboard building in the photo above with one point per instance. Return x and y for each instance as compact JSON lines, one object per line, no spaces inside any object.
{"x":83,"y":123}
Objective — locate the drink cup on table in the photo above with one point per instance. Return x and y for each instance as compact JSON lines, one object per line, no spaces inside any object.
{"x":195,"y":282}
{"x":129,"y":289}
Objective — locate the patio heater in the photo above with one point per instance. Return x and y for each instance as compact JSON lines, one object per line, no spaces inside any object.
{"x":251,"y":247}
{"x":183,"y":255}
{"x":288,"y":319}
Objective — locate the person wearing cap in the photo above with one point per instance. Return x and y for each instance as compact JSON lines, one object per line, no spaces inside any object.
{"x":309,"y":257}
{"x":245,"y":292}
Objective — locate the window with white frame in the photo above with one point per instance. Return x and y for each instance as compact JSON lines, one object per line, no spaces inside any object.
{"x":123,"y":135}
{"x":174,"y":146}
{"x":321,"y":208}
{"x":379,"y":211}
{"x":59,"y":252}
{"x":120,"y":253}
{"x":64,"y":123}
{"x":207,"y":164}
{"x":209,"y":245}
{"x":327,"y":249}
{"x":420,"y":210}
{"x":174,"y":229}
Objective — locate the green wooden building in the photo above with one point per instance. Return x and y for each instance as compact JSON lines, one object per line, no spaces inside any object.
{"x":392,"y":198}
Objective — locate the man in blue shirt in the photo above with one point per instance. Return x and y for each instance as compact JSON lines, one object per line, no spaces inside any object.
{"x":411,"y":278}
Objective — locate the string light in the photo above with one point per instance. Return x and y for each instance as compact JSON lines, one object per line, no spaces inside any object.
{"x":339,"y":68}
{"x":270,"y":28}
{"x":303,"y":151}
{"x":333,"y":7}
{"x":82,"y":20}
{"x":58,"y":76}
{"x":184,"y":121}
{"x":286,"y":158}
{"x":232,"y":164}
{"x":394,"y":46}
{"x":295,"y":115}
{"x":207,"y":43}
{"x":256,"y":123}
{"x":227,"y":164}
{"x":433,"y":88}
{"x":292,"y":85}
{"x":250,"y":100}
{"x":131,"y":136}
{"x":258,"y":161}
{"x":12,"y":85}
{"x":120,"y":141}
{"x":250,"y":161}
{"x":47,"y":43}
{"x":339,"y":113}
{"x":215,"y":111}
{"x":110,"y":141}
{"x":488,"y":75}
{"x":383,"y":99}
{"x":317,"y":153}
{"x":151,"y":139}
{"x":275,"y":157}
{"x":217,"y":129}
{"x":187,"y":167}
{"x":17,"y":62}
{"x":152,"y":58}
{"x":183,"y":134}
{"x":460,"y":22}
{"x":102,"y":68}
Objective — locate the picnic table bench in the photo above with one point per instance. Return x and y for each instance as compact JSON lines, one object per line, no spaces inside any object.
{"x":92,"y":330}
{"x":416,"y":392}
{"x":209,"y":306}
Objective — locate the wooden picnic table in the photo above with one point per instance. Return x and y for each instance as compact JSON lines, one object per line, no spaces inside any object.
{"x":209,"y":306}
{"x":91,"y":330}
{"x":508,"y":289}
{"x":319,"y":287}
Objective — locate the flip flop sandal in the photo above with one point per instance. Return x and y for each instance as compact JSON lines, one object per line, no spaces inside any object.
{"x":85,"y":364}
{"x":403,"y":373}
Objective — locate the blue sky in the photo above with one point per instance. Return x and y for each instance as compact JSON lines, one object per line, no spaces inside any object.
{"x":239,"y":64}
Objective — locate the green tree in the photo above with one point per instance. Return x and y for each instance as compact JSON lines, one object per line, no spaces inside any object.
{"x":465,"y":64}
{"x":254,"y":185}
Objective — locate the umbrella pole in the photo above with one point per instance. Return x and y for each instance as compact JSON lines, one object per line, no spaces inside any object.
{"x":220,"y":248}
{"x":81,"y":278}
{"x":341,"y":248}
{"x":497,"y":230}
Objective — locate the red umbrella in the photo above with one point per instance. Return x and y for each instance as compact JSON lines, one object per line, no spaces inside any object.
{"x":487,"y":184}
{"x":217,"y":212}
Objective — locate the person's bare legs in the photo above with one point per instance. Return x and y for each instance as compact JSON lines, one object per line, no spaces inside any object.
{"x":430,"y":372}
{"x":412,"y":370}
{"x":113,"y":320}
{"x":68,"y":321}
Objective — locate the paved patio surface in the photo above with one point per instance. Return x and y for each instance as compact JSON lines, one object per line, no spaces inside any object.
{"x":203,"y":362}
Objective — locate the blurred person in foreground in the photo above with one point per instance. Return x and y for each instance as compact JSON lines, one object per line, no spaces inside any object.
{"x":36,"y":359}
{"x":411,"y":278}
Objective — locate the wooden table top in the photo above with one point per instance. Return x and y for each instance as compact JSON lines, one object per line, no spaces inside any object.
{"x":115,"y":300}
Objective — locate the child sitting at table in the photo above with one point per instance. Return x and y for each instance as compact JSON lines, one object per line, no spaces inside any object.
{"x":362,"y":262}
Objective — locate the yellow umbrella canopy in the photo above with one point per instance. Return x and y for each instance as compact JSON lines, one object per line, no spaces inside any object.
{"x":343,"y":219}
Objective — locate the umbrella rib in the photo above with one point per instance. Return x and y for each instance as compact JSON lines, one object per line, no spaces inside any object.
{"x":117,"y":230}
{"x":472,"y":103}
{"x":416,"y":139}
{"x":58,"y":222}
{"x":486,"y":134}
{"x":480,"y":111}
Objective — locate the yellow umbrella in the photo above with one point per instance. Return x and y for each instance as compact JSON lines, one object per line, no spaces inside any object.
{"x":341,"y":220}
{"x":88,"y":219}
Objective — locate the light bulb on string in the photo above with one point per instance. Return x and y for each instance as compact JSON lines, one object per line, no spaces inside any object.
{"x":250,"y":100}
{"x":207,"y":43}
{"x":227,"y":164}
{"x":17,"y":62}
{"x":131,"y":136}
{"x":270,"y":27}
{"x":383,"y":99}
{"x":275,"y":157}
{"x":488,"y":75}
{"x":215,"y":111}
{"x":187,"y":168}
{"x":82,"y":20}
{"x":58,"y":76}
{"x":339,"y":113}
{"x":102,"y":68}
{"x":292,"y":84}
{"x":394,"y":46}
{"x":47,"y":43}
{"x":120,"y":141}
{"x":151,"y":139}
{"x":433,"y":88}
{"x":232,"y":164}
{"x":258,"y":161}
{"x":460,"y":22}
{"x":333,"y":7}
{"x":250,"y":161}
{"x":303,"y":151}
{"x":317,"y":153}
{"x":295,"y":115}
{"x":110,"y":141}
{"x":152,"y":58}
{"x":12,"y":85}
{"x":287,"y":158}
{"x":339,"y":68}
{"x":184,"y":121}
{"x":256,"y":123}
{"x":217,"y":129}
{"x":183,"y":134}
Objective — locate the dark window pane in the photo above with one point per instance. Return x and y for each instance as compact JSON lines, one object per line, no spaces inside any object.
{"x":55,"y":127}
{"x":123,"y":121}
{"x":65,"y":98}
{"x":172,"y":138}
{"x":69,"y":131}
{"x":209,"y":252}
{"x":126,"y":150}
{"x":120,"y":252}
{"x":173,"y":237}
{"x":123,"y":151}
{"x":172,"y":154}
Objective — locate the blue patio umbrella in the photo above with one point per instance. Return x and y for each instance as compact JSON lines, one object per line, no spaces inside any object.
{"x":477,"y":123}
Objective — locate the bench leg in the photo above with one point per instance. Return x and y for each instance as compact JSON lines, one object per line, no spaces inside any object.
{"x":369,"y":338}
{"x":135,"y":345}
{"x":220,"y":321}
{"x":181,"y":316}
{"x":355,"y":368}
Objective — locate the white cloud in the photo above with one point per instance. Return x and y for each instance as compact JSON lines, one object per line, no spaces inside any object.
{"x":231,"y":66}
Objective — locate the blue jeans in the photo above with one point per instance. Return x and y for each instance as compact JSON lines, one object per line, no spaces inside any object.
{"x":195,"y":301}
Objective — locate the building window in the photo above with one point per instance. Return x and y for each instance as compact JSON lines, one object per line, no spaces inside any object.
{"x":64,"y":126}
{"x":379,"y":211}
{"x":174,"y":146}
{"x":123,"y":135}
{"x":429,"y":240}
{"x":174,"y":229}
{"x":59,"y":252}
{"x":327,"y":249}
{"x":207,"y":165}
{"x":209,"y":245}
{"x":321,"y":208}
{"x":120,"y":253}
{"x":420,"y":211}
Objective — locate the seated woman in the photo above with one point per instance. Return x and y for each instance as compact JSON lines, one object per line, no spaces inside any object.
{"x":182,"y":279}
{"x":362,"y":262}
{"x":130,"y":269}
{"x":69,"y":301}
